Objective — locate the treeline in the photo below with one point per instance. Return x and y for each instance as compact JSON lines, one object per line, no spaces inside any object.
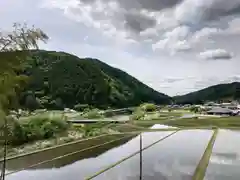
{"x":58,"y":80}
{"x":220,"y":93}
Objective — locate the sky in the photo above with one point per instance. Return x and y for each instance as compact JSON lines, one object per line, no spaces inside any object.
{"x":174,"y":46}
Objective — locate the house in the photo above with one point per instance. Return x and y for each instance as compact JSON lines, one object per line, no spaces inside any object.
{"x":220,"y":111}
{"x":211,"y":104}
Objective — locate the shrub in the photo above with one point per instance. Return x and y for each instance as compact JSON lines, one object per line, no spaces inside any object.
{"x":13,"y":130}
{"x":81,"y":107}
{"x":92,"y":114}
{"x":93,"y":129}
{"x":36,"y":128}
{"x":32,"y":103}
{"x":137,"y":115}
{"x":58,"y":103}
{"x":148,"y":107}
{"x":194,"y":109}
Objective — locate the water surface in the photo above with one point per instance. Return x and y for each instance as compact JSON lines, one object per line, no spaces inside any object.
{"x":225,"y":159}
{"x":174,"y":158}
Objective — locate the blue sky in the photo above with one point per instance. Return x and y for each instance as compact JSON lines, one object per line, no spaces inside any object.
{"x":174,"y":46}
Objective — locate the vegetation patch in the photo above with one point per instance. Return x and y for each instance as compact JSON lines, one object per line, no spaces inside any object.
{"x":220,"y":92}
{"x":143,"y":111}
{"x":59,"y":80}
{"x":222,"y":122}
{"x":148,"y":107}
{"x":203,"y":163}
{"x":127,"y":128}
{"x":138,"y":114}
{"x":37,"y":127}
{"x":93,"y":114}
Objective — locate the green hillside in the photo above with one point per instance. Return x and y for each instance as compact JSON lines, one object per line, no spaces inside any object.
{"x":218,"y":92}
{"x":58,"y":80}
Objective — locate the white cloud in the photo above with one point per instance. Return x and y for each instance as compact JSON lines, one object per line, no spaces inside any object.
{"x":216,"y":54}
{"x":197,"y":11}
{"x":174,"y":40}
{"x":127,"y":43}
{"x":181,"y":46}
{"x":180,"y":32}
{"x":162,"y":44}
{"x":166,"y":25}
{"x":172,"y":46}
{"x":234,"y":26}
{"x":205,"y":33}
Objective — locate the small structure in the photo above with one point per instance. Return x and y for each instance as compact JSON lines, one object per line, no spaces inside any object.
{"x":220,"y":111}
{"x":211,"y":104}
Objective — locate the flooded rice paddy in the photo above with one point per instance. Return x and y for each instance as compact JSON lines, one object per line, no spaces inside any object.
{"x":174,"y":156}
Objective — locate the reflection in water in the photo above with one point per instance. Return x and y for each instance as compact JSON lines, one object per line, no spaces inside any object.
{"x":224,"y":162}
{"x":35,"y":158}
{"x":85,"y":167}
{"x":174,"y":158}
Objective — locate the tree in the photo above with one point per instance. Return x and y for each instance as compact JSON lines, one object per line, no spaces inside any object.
{"x":14,"y":53}
{"x":32,"y":102}
{"x":194,"y":109}
{"x":59,"y":104}
{"x":14,"y":48}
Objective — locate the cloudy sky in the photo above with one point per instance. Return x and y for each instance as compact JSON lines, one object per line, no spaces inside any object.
{"x":175,"y":46}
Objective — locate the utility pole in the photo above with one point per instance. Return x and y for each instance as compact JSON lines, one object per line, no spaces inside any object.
{"x":140,"y":156}
{"x":5,"y":150}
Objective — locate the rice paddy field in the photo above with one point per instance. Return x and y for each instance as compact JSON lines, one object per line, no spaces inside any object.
{"x":162,"y":146}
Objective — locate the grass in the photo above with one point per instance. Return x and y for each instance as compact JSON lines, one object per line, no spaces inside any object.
{"x":149,"y":123}
{"x":203,"y":163}
{"x":75,"y":132}
{"x":126,"y":128}
{"x":41,"y":144}
{"x":140,"y":115}
{"x":173,"y":119}
{"x":222,"y":122}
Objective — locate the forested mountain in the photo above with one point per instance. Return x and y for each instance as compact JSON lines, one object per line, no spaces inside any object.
{"x":218,"y":92}
{"x":58,"y":79}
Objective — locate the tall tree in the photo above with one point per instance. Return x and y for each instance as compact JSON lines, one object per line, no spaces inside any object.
{"x":14,"y":48}
{"x":14,"y":52}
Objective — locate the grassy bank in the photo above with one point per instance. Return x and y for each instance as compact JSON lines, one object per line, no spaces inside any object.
{"x":46,"y":129}
{"x":209,"y":122}
{"x":175,"y":118}
{"x":222,"y":122}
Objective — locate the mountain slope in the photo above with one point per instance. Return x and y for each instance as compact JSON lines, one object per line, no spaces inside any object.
{"x":218,"y":92}
{"x":61,"y":79}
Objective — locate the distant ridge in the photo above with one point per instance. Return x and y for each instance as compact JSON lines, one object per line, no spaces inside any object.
{"x":220,"y":92}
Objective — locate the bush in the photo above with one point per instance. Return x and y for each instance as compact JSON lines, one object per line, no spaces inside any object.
{"x":148,"y":107}
{"x":81,"y":107}
{"x":32,"y":103}
{"x":58,"y":103}
{"x":92,"y":114}
{"x":13,"y":130}
{"x":194,"y":109}
{"x":36,"y":128}
{"x":137,"y":115}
